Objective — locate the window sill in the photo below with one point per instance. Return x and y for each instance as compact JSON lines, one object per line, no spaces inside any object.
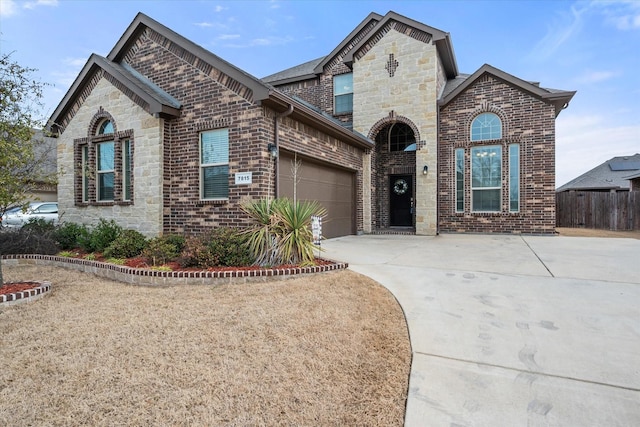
{"x":212,"y":202}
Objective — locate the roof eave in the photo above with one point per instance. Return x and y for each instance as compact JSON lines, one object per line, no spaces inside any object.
{"x":371,"y":17}
{"x":281,"y":102}
{"x":258,"y":87}
{"x":293,"y":79}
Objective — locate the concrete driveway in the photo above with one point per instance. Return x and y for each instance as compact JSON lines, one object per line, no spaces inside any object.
{"x":513,"y":330}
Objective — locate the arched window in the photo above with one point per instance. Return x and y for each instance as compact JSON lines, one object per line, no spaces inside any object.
{"x":486,"y":126}
{"x":399,"y":136}
{"x":105,"y":127}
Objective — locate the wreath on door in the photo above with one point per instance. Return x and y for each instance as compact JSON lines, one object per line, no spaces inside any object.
{"x":400,"y":187}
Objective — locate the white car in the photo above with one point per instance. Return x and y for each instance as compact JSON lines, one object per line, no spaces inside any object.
{"x":17,"y":217}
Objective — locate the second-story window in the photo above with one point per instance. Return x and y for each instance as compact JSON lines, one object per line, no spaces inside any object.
{"x":343,"y":93}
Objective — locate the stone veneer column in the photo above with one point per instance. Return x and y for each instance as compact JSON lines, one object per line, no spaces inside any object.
{"x":411,"y":92}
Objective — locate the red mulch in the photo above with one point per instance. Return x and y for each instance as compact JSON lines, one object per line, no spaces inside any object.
{"x":12,"y":288}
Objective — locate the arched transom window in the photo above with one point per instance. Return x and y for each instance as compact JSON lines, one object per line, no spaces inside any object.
{"x":485,"y":127}
{"x":398,"y":136}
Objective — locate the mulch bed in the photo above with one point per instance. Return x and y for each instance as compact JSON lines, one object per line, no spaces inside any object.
{"x":15,"y":287}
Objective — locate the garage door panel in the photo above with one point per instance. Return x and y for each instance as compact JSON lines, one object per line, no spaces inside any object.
{"x":333,"y":188}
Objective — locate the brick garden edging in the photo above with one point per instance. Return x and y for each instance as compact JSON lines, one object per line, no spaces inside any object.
{"x":25,"y":296}
{"x":142,"y":276}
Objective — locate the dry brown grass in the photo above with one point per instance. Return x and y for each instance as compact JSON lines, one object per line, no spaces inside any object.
{"x":328,"y":349}
{"x":588,"y":232}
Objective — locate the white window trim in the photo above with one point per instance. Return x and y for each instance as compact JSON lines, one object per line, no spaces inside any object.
{"x":203,"y":166}
{"x":456,"y":151}
{"x":517,"y":169}
{"x":104,"y":172}
{"x":473,"y":189}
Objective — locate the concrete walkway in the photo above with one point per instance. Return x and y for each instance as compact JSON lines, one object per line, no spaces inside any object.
{"x":513,"y":331}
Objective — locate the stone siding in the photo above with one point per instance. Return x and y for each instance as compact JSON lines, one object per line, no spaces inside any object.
{"x":526,"y":121}
{"x":145,"y":212}
{"x":411,"y":93}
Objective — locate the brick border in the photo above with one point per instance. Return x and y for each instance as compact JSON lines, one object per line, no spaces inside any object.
{"x":140,"y":276}
{"x":25,"y":296}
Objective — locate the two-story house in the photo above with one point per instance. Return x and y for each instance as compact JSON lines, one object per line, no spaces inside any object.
{"x":164,"y":136}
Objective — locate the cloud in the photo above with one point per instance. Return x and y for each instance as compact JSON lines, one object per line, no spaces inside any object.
{"x":559,"y":32}
{"x":274,"y":4}
{"x":34,"y":4}
{"x":228,"y":36}
{"x":11,"y":7}
{"x":8,"y":8}
{"x":263,"y":41}
{"x":219,"y":8}
{"x":591,"y":77}
{"x":585,"y":141}
{"x":203,"y":24}
{"x":622,"y":14}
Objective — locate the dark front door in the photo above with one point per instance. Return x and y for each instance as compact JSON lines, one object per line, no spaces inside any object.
{"x":401,"y":199}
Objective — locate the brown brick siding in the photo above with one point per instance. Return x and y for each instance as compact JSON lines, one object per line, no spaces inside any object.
{"x":212,"y":100}
{"x":526,"y":121}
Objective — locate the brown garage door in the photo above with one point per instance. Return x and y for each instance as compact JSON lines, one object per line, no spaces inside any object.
{"x":332,"y":187}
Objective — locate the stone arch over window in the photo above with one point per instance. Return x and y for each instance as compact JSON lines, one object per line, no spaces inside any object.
{"x":97,"y":120}
{"x":104,"y":163}
{"x":487,"y":109}
{"x":394,"y":119}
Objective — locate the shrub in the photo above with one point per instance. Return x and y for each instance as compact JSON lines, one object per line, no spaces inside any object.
{"x":227,"y":246}
{"x":128,"y":244}
{"x":69,"y":235}
{"x":100,"y":236}
{"x":24,"y":241}
{"x":196,"y":253}
{"x":282,"y":231}
{"x":163,"y":249}
{"x":39,"y":226}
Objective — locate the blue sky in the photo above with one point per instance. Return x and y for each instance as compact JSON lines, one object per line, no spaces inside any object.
{"x":589,"y":46}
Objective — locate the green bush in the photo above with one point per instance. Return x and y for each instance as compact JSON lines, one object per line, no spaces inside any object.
{"x":222,"y":247}
{"x":128,"y":244}
{"x":100,"y":236}
{"x":25,"y":241}
{"x":163,"y":249}
{"x":69,"y":235}
{"x":39,"y":226}
{"x":227,"y":246}
{"x":196,"y":253}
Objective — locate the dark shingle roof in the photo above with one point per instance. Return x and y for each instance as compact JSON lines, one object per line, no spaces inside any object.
{"x":613,"y":174}
{"x":294,"y":72}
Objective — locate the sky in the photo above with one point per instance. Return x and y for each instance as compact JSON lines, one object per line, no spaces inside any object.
{"x":592,"y":47}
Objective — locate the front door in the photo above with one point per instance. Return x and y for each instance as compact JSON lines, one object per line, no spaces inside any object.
{"x":401,"y":200}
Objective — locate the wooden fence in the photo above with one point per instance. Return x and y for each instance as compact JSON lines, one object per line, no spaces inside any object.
{"x":600,"y":210}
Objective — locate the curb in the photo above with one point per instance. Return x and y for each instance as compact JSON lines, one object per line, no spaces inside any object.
{"x":25,"y":296}
{"x":141,"y":276}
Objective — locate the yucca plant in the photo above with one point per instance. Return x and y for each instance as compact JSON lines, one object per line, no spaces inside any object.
{"x":261,"y":238}
{"x":295,"y":239}
{"x":282,"y":231}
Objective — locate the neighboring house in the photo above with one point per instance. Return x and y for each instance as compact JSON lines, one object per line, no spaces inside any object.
{"x":164,"y":136}
{"x":44,"y":150}
{"x":616,"y":174}
{"x":601,"y":198}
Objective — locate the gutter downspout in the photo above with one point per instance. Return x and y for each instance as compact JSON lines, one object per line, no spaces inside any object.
{"x":276,"y":142}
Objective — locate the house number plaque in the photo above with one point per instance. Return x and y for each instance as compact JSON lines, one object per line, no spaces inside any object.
{"x":243,"y":178}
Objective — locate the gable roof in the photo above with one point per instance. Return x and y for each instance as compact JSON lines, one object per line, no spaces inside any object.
{"x":163,"y":104}
{"x":158,"y":101}
{"x":559,"y":98}
{"x":441,"y":39}
{"x":313,"y":68}
{"x":614,"y":174}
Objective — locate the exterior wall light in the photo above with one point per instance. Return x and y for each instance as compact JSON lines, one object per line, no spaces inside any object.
{"x":425,"y":169}
{"x":273,"y":150}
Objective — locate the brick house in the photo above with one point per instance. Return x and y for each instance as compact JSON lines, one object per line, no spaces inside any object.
{"x":164,"y":136}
